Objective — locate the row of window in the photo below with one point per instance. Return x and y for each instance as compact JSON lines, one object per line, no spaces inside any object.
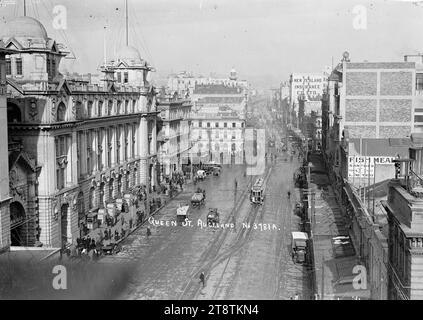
{"x":219,"y":147}
{"x":112,"y":193}
{"x":216,"y":124}
{"x":97,"y":110}
{"x":217,"y":135}
{"x":125,"y":78}
{"x":18,"y":66}
{"x":102,"y":150}
{"x":117,"y":149}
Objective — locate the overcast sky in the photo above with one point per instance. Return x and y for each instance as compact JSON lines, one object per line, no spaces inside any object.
{"x":265,"y":40}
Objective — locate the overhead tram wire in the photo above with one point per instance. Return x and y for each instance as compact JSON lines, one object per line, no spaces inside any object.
{"x":140,"y":38}
{"x":60,"y":31}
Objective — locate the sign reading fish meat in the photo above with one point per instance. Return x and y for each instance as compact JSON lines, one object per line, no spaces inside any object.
{"x":361,"y":166}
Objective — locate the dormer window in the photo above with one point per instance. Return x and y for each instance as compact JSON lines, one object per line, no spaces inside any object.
{"x":19,"y":66}
{"x":8,"y":67}
{"x":53,"y":67}
{"x":61,"y":112}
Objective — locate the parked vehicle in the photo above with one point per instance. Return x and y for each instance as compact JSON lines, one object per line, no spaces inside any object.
{"x":111,"y":248}
{"x":299,"y":246}
{"x":216,"y":171}
{"x":182,"y":213}
{"x":201,"y":175}
{"x":198,"y":198}
{"x":213,"y":216}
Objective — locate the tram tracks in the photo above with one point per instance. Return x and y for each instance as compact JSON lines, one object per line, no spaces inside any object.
{"x":212,"y":258}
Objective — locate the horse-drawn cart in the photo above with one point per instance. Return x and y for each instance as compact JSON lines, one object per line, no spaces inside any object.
{"x":198,"y":198}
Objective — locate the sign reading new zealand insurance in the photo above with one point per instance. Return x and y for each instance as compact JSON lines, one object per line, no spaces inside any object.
{"x":361,"y":167}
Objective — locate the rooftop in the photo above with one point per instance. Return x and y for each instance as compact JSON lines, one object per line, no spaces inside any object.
{"x":216,"y":89}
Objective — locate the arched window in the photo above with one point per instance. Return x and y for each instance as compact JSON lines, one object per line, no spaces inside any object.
{"x":111,"y":191}
{"x":79,"y":110}
{"x":13,"y":113}
{"x":91,"y":201}
{"x":90,"y":109}
{"x":110,"y":108}
{"x":134,"y":177}
{"x":120,"y":186}
{"x":101,"y":195}
{"x":61,"y":112}
{"x":81,"y":206}
{"x":100,"y":108}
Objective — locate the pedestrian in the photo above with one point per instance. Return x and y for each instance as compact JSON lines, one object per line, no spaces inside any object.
{"x":110,"y":234}
{"x":202,"y":279}
{"x":297,"y":296}
{"x":148,"y":232}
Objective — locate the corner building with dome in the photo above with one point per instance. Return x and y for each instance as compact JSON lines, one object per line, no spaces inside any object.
{"x":75,"y":148}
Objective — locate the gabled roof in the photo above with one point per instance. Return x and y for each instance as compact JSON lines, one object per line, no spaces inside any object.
{"x":23,"y":158}
{"x":63,"y":84}
{"x":14,"y":44}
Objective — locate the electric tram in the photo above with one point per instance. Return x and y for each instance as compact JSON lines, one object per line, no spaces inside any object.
{"x":257,"y":192}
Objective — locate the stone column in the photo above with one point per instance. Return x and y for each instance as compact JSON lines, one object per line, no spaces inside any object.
{"x":113,"y":143}
{"x":153,"y":150}
{"x":83,"y":153}
{"x":143,"y":150}
{"x":4,"y":168}
{"x":122,"y":143}
{"x":69,"y":165}
{"x":94,"y":152}
{"x":73,"y":161}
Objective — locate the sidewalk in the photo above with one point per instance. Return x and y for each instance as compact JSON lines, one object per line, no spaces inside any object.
{"x":334,"y":253}
{"x":124,"y":220}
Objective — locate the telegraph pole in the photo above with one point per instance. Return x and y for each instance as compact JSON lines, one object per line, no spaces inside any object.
{"x":126,"y":23}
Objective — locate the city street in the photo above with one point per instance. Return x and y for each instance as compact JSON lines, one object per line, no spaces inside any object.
{"x":238,"y":263}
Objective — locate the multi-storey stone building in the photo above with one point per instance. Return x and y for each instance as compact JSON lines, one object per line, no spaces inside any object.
{"x":185,"y":82}
{"x":218,"y":123}
{"x":74,"y":146}
{"x":5,"y":218}
{"x":174,"y":134}
{"x":404,"y":208}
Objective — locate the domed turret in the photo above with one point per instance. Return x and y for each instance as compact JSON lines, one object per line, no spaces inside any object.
{"x":24,"y":27}
{"x":130,"y":55}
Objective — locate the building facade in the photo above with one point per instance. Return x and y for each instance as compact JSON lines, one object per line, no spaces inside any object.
{"x":5,"y":218}
{"x":304,"y":87}
{"x":174,"y":134}
{"x":185,"y":82}
{"x":218,"y":122}
{"x":404,"y":207}
{"x":75,"y":146}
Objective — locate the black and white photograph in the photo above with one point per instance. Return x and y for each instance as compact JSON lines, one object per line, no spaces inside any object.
{"x":231,"y":151}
